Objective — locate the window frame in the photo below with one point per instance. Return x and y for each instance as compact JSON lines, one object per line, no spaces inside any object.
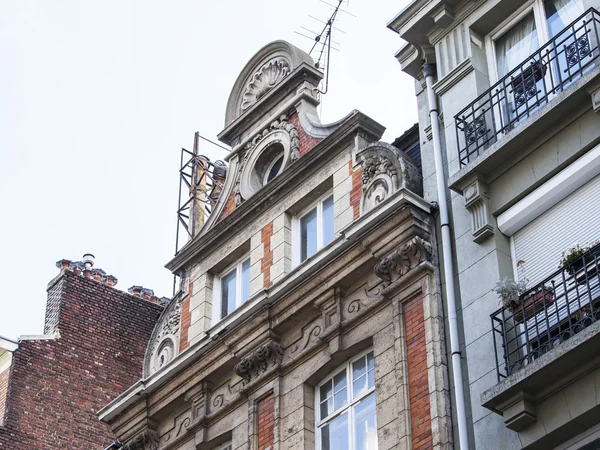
{"x":225,"y":446}
{"x":534,"y":6}
{"x":352,"y":400}
{"x":217,"y":309}
{"x":296,"y":228}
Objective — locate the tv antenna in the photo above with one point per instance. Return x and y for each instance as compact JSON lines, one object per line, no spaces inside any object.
{"x":322,"y":42}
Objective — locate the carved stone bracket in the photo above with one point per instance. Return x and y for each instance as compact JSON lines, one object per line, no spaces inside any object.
{"x":146,"y":440}
{"x":477,"y":203}
{"x":401,"y":261}
{"x":257,"y":362}
{"x":385,"y":169}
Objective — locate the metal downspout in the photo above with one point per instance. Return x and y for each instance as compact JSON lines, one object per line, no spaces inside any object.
{"x":461,"y":415}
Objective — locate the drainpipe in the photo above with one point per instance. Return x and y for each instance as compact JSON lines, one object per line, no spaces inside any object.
{"x":461,"y":415}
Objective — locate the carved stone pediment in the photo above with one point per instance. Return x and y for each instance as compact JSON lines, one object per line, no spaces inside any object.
{"x":385,"y":169}
{"x":258,"y":361}
{"x":404,"y":259}
{"x":146,"y":440}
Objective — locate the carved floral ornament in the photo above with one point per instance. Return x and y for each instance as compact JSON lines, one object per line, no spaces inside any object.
{"x":263,"y":81}
{"x":257,"y":362}
{"x":403,"y":260}
{"x":280,"y":131}
{"x":146,"y":440}
{"x":385,"y":169}
{"x":163,"y":348}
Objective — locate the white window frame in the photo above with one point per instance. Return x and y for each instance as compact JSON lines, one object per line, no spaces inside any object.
{"x":217,"y":307}
{"x":541,"y":26}
{"x":296,"y":230}
{"x":352,"y":401}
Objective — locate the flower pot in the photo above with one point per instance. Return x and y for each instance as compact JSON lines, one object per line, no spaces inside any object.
{"x":532,"y":305}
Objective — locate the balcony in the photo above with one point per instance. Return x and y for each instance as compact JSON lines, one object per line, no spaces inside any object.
{"x":527,"y":89}
{"x":546,"y":340}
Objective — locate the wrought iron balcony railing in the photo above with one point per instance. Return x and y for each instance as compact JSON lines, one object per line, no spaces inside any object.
{"x":524,"y":90}
{"x":559,"y":307}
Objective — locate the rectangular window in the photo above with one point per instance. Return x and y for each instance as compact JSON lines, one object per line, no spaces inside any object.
{"x":345,"y":407}
{"x":313,"y":229}
{"x":232,"y":288}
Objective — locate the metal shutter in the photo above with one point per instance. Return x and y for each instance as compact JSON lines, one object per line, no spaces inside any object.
{"x":576,"y":219}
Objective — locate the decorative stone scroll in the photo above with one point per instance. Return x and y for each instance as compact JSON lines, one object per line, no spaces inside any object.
{"x":146,"y":440}
{"x":163,"y":345}
{"x":401,"y":261}
{"x":385,"y":169}
{"x":257,"y":362}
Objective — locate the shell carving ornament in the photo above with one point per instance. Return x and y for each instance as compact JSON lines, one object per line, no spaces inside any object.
{"x":263,"y":81}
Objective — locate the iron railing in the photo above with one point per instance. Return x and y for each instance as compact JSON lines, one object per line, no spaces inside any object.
{"x":524,"y":90}
{"x":562,"y":305}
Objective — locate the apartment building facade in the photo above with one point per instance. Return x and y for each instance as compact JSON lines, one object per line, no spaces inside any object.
{"x":513,"y":92}
{"x":309,"y":314}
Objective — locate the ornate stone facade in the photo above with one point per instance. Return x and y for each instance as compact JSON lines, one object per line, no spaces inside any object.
{"x":259,"y":360}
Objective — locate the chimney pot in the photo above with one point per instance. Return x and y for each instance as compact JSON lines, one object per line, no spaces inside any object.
{"x":88,"y":259}
{"x":63,"y":264}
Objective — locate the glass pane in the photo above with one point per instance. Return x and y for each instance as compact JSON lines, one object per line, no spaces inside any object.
{"x":371,"y":378}
{"x":328,"y":220}
{"x":513,"y":47}
{"x":326,"y":408}
{"x":359,"y":386}
{"x":245,"y":280}
{"x":370,"y":361}
{"x":334,"y":435}
{"x":560,"y":13}
{"x":308,"y":234}
{"x":359,"y":368}
{"x":326,"y":390}
{"x":275,"y":168}
{"x":339,"y":381}
{"x":228,"y":293}
{"x":340,"y":399}
{"x":365,"y":428}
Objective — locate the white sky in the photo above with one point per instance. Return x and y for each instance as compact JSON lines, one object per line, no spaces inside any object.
{"x":97,"y":99}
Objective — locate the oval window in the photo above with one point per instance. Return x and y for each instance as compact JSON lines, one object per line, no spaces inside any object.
{"x":274,"y":169}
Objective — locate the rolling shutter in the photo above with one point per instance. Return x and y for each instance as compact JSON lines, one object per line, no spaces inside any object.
{"x":576,"y":219}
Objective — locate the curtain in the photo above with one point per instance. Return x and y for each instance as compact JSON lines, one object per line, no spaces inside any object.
{"x":561,"y":13}
{"x":513,"y":47}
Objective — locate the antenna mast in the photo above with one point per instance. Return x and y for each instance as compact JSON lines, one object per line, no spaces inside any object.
{"x":323,"y":39}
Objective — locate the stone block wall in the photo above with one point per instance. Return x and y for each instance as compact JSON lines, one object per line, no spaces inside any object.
{"x":57,"y":384}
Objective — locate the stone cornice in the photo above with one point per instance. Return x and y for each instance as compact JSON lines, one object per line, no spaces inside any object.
{"x":204,"y":244}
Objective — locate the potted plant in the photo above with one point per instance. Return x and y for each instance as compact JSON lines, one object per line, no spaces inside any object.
{"x":511,"y":293}
{"x":571,"y":259}
{"x":535,"y":302}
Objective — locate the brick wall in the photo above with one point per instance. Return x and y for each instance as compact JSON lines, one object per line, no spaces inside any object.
{"x":307,"y":142}
{"x":3,"y":392}
{"x":356,"y":193}
{"x":267,"y":259}
{"x":266,"y":422}
{"x":418,"y":382}
{"x":186,"y":321}
{"x":56,"y":386}
{"x":229,"y":206}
